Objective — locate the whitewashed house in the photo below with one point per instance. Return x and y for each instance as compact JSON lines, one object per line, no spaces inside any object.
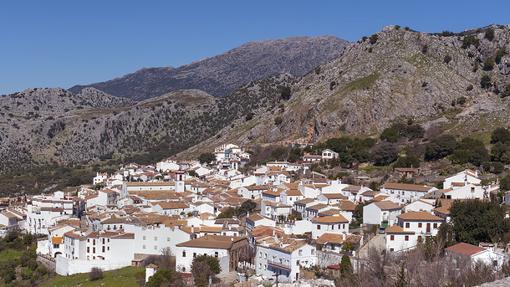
{"x":283,"y":258}
{"x":405,"y":192}
{"x":336,"y":224}
{"x":380,"y":212}
{"x":328,"y":154}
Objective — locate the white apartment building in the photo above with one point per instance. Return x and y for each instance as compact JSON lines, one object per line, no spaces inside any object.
{"x":336,"y":224}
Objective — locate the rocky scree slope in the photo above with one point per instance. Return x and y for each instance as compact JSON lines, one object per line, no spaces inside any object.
{"x":222,"y":74}
{"x":396,"y":74}
{"x":54,"y":126}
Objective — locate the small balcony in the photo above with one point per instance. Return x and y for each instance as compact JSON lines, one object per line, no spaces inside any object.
{"x":278,"y":265}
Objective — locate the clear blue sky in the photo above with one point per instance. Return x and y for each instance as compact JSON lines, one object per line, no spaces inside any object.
{"x":59,"y":43}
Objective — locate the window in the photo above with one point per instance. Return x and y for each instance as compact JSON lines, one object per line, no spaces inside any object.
{"x":88,"y":249}
{"x":143,"y":237}
{"x":318,"y":227}
{"x":391,"y":249}
{"x":406,"y":238}
{"x":408,"y":224}
{"x":300,"y":252}
{"x":216,"y":254}
{"x":155,"y":247}
{"x":93,"y":242}
{"x":143,"y":246}
{"x":103,"y":249}
{"x":183,"y":253}
{"x":155,"y":238}
{"x":312,"y":251}
{"x":419,"y":224}
{"x":194,"y":255}
{"x":435,"y":225}
{"x":168,"y":239}
{"x":94,"y":250}
{"x":392,"y":237}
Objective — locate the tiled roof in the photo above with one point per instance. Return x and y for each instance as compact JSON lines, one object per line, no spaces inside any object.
{"x":465,"y":249}
{"x":387,"y":205}
{"x":330,"y":219}
{"x":419,"y":216}
{"x":395,"y":229}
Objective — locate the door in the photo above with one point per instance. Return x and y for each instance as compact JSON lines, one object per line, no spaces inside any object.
{"x":428,"y":227}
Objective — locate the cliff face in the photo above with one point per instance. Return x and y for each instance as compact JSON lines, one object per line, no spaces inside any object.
{"x":222,"y":74}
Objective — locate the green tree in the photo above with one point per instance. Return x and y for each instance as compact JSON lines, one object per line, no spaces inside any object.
{"x":206,"y":158}
{"x":501,"y":135}
{"x":504,"y":183}
{"x":506,"y":91}
{"x":500,"y":152}
{"x":440,"y":147}
{"x":203,"y":268}
{"x":165,"y":278}
{"x":384,"y":153}
{"x":407,"y":161}
{"x":477,"y":221}
{"x":345,"y":265}
{"x":470,"y":150}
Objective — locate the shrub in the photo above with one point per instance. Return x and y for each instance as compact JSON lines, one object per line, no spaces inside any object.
{"x":488,"y":65}
{"x":500,"y":135}
{"x":278,"y":121}
{"x":470,"y":150}
{"x":499,"y":54}
{"x":384,"y":153}
{"x":203,"y":267}
{"x":248,"y":116}
{"x":440,"y":147}
{"x":469,"y":88}
{"x":285,"y":93}
{"x":424,"y":49}
{"x":407,"y":161}
{"x":489,"y":34}
{"x":95,"y":274}
{"x":506,"y":91}
{"x":485,"y":82}
{"x":206,"y":157}
{"x":447,"y":59}
{"x":469,"y":40}
{"x":373,"y":39}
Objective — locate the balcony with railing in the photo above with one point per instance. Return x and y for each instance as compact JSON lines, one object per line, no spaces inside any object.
{"x":279,"y":265}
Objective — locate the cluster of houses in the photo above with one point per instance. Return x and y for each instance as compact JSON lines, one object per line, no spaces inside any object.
{"x":178,"y":208}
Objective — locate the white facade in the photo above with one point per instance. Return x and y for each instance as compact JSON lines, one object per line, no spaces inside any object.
{"x":271,"y":261}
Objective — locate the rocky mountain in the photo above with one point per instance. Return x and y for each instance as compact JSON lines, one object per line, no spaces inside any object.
{"x":54,"y":126}
{"x":455,"y":83}
{"x":222,"y":74}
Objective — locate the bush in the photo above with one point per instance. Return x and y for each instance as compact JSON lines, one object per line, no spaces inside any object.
{"x":469,"y":40}
{"x":506,"y":91}
{"x":278,"y":121}
{"x":206,"y":158}
{"x":470,"y":150}
{"x":203,"y":267}
{"x":489,"y":34}
{"x":384,"y":153}
{"x":488,"y":65}
{"x":399,"y":130}
{"x":248,"y":116}
{"x":500,"y":135}
{"x":373,"y":39}
{"x":447,"y":59}
{"x":407,"y":161}
{"x":285,"y":93}
{"x":499,"y":54}
{"x":95,"y":274}
{"x":440,"y":147}
{"x":485,"y":82}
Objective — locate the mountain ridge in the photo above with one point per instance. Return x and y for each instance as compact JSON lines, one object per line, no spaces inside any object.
{"x":220,"y":75}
